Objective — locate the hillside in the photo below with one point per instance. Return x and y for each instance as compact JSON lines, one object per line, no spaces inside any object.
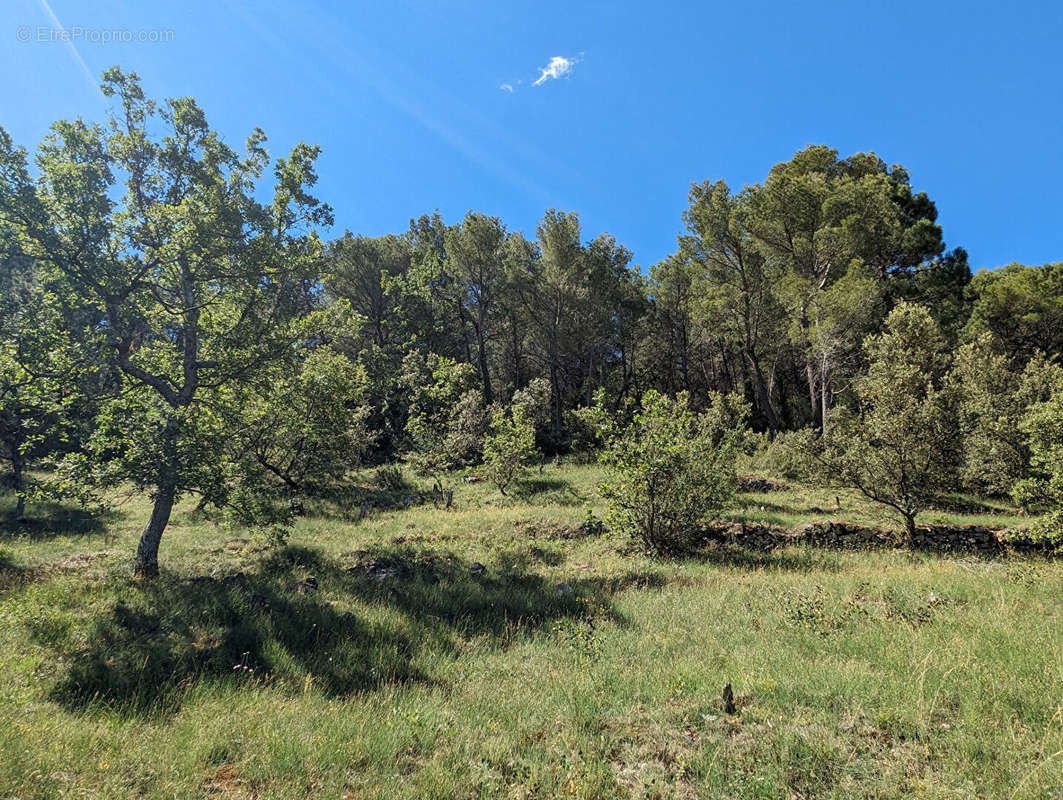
{"x":505,"y":649}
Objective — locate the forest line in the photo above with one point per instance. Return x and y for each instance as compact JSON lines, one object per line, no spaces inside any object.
{"x":165,"y":327}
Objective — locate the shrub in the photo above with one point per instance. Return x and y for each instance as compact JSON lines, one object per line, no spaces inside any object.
{"x":668,"y":467}
{"x":509,"y":446}
{"x":992,"y":400}
{"x":786,"y":455}
{"x":1043,"y":426}
{"x":899,"y":447}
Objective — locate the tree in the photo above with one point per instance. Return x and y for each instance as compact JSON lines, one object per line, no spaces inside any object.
{"x":900,"y":446}
{"x":445,"y":426}
{"x":306,"y":426}
{"x":554,"y":293}
{"x":509,"y":446}
{"x":739,"y":276}
{"x":680,"y":351}
{"x":668,"y":467}
{"x":816,"y":214}
{"x":38,"y":376}
{"x":992,"y":400}
{"x":1043,"y":426}
{"x":1022,"y":307}
{"x":361,"y":271}
{"x":476,"y":264}
{"x":192,"y":275}
{"x":941,"y":285}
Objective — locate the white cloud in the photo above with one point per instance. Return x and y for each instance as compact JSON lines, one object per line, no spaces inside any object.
{"x":558,"y":67}
{"x":506,"y":87}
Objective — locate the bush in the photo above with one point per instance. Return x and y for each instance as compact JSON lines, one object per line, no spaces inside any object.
{"x":668,"y":467}
{"x":787,"y":455}
{"x":1043,"y":427}
{"x":509,"y":446}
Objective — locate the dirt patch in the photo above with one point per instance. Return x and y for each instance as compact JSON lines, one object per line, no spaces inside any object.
{"x":225,"y":782}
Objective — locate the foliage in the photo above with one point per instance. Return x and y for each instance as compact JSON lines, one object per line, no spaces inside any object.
{"x":308,"y":428}
{"x":39,"y":400}
{"x":899,"y":446}
{"x":213,"y":345}
{"x":992,"y":400}
{"x":509,"y":446}
{"x":1022,"y":307}
{"x":670,"y":466}
{"x":190,"y":274}
{"x":1043,"y":426}
{"x":787,"y":454}
{"x":446,"y":415}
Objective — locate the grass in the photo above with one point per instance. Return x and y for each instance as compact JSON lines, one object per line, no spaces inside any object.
{"x":857,"y":674}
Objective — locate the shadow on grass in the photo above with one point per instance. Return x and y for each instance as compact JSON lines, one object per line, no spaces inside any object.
{"x":52,"y":520}
{"x":277,"y":625}
{"x":555,"y":491}
{"x":12,"y":574}
{"x":789,"y":559}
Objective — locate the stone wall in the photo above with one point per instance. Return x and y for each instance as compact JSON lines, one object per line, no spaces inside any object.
{"x":849,"y":535}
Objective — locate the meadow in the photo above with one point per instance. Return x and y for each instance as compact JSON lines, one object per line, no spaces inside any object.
{"x":507,"y":647}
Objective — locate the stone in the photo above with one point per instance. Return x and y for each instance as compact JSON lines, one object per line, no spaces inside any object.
{"x":476,"y":568}
{"x":308,"y":586}
{"x":754,"y":483}
{"x":381,"y":570}
{"x":563,"y":588}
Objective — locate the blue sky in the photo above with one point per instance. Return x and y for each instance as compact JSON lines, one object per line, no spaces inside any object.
{"x":405,"y":97}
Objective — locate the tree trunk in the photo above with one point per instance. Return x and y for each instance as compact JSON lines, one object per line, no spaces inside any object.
{"x":814,"y":400}
{"x":909,"y":526}
{"x":761,"y":388}
{"x":555,"y":389}
{"x":147,"y":561}
{"x":20,"y":485}
{"x":824,"y":394}
{"x":146,"y":564}
{"x":485,"y":373}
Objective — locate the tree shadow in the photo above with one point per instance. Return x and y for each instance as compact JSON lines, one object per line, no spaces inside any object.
{"x":354,"y":502}
{"x":556,"y":491}
{"x":12,"y":574}
{"x":522,"y":558}
{"x":283,"y":624}
{"x":49,"y":520}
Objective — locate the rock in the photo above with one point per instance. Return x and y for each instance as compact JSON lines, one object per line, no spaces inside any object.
{"x":309,"y":586}
{"x":754,"y":483}
{"x":380,"y":569}
{"x":563,"y":588}
{"x":476,"y":568}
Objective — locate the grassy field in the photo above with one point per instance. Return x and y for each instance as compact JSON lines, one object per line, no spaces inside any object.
{"x":438,"y":657}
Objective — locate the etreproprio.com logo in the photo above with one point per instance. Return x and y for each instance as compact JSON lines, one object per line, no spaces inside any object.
{"x":47,"y":34}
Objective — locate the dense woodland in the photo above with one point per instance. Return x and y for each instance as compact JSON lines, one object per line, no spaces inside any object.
{"x":173,"y":322}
